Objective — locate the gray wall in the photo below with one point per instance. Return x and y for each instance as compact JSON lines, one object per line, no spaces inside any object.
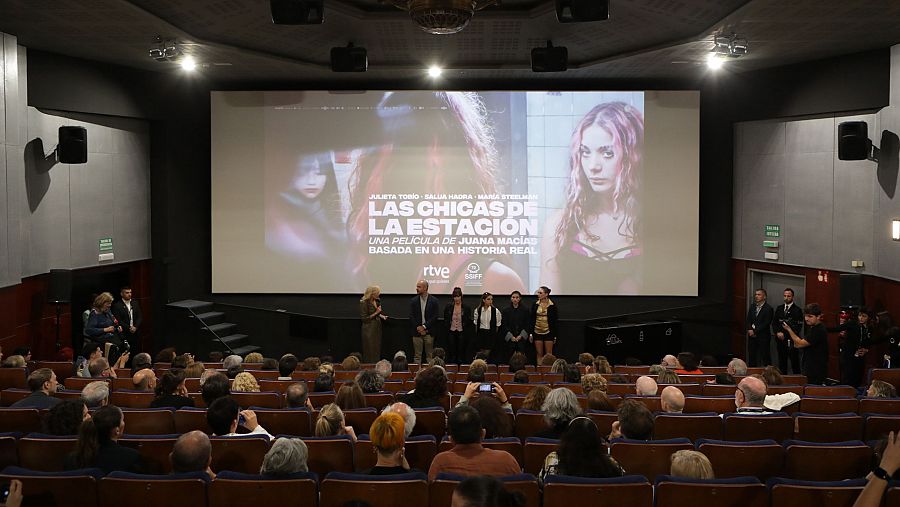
{"x":55,"y":213}
{"x":831,"y":211}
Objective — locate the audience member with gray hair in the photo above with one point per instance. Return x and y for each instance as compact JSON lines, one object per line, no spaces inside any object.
{"x":287,"y":456}
{"x":370,"y":381}
{"x":297,"y":396}
{"x":737,"y":367}
{"x":383,"y":368}
{"x":96,"y":394}
{"x":141,"y":361}
{"x":232,"y":361}
{"x":560,"y":407}
{"x":750,"y":396}
{"x":406,"y":412}
{"x":192,"y":452}
{"x":206,"y":374}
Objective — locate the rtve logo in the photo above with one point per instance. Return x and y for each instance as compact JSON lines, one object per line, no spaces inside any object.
{"x":441,"y":271}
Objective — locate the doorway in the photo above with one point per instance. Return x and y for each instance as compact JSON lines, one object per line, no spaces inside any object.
{"x":774,"y":285}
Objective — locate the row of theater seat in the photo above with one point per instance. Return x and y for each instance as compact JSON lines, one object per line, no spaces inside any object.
{"x":762,"y":459}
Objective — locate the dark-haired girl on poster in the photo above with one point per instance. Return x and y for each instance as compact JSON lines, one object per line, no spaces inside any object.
{"x":544,"y":318}
{"x":595,"y":245}
{"x":305,"y":223}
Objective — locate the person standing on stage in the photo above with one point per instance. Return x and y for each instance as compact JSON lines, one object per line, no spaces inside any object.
{"x":759,"y":330}
{"x":371,"y":314}
{"x":423,"y":315}
{"x":128,"y":313}
{"x":487,"y":323}
{"x":515,"y":325}
{"x":792,"y":314}
{"x":458,"y":319}
{"x":814,"y":361}
{"x":543,"y":323}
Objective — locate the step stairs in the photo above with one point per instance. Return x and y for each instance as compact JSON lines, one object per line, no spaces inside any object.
{"x":223,"y":334}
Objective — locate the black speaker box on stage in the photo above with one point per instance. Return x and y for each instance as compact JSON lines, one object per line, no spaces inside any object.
{"x":853,"y":141}
{"x":72,"y":148}
{"x":579,"y":11}
{"x":297,"y":12}
{"x":852,"y":290}
{"x":59,"y":290}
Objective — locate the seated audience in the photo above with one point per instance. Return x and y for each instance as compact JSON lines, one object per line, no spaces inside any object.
{"x":559,"y":366}
{"x":772,"y":376}
{"x":286,"y":366}
{"x":166,"y":355}
{"x":388,"y":439}
{"x":517,"y":362}
{"x":601,"y":365}
{"x":724,"y":379}
{"x":404,"y":411}
{"x":140,"y":361}
{"x":224,"y":416}
{"x":245,"y":382}
{"x":99,"y":367}
{"x":206,"y":374}
{"x":370,"y":381}
{"x":468,"y":457}
{"x":737,"y":367}
{"x":548,"y":360}
{"x":472,"y":393}
{"x":560,"y":407}
{"x":691,"y":465}
{"x":350,"y":363}
{"x":324,"y":383}
{"x":440,"y":353}
{"x":297,"y":396}
{"x":216,"y":386}
{"x":656,"y":369}
{"x":89,"y":352}
{"x":182,"y":361}
{"x":883,"y":475}
{"x":669,"y":361}
{"x":171,"y":391}
{"x":350,"y":396}
{"x":25,"y":352}
{"x":286,"y":457}
{"x":671,"y":400}
{"x":645,"y":386}
{"x":436,"y":361}
{"x":194,"y":370}
{"x":311,"y":364}
{"x":572,"y":374}
{"x":269,"y":364}
{"x":96,"y":394}
{"x":98,"y":446}
{"x":520,"y":377}
{"x":431,"y":388}
{"x":144,"y":380}
{"x":192,"y":452}
{"x":750,"y":397}
{"x":585,"y":359}
{"x":253,"y":357}
{"x":383,"y":368}
{"x":593,"y":381}
{"x":635,"y":421}
{"x":66,"y":417}
{"x":43,"y":385}
{"x":483,"y":491}
{"x":400,"y":363}
{"x":668,"y":377}
{"x":881,"y":389}
{"x":599,"y":400}
{"x":534,"y":400}
{"x":495,"y":420}
{"x":14,"y":361}
{"x":331,"y":423}
{"x":232,"y":361}
{"x":687,"y":364}
{"x":581,"y":453}
{"x":327,"y":368}
{"x":234,"y":371}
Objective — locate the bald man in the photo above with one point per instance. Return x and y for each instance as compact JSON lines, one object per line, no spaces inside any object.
{"x":750,"y":396}
{"x":192,"y":452}
{"x":645,"y":386}
{"x":669,"y":360}
{"x":672,"y":400}
{"x":144,"y":380}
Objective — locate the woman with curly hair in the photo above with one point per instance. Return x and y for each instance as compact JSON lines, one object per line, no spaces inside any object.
{"x":581,"y":453}
{"x":245,"y":382}
{"x":171,"y":391}
{"x":534,"y":400}
{"x":598,"y":230}
{"x":431,"y":388}
{"x":560,"y":407}
{"x":66,"y":417}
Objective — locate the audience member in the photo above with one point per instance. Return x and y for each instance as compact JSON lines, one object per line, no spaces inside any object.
{"x":216,"y":386}
{"x":206,"y":374}
{"x":327,"y":368}
{"x":724,"y":379}
{"x":548,"y":360}
{"x":14,"y":361}
{"x":485,"y":491}
{"x":194,"y":370}
{"x":269,"y":364}
{"x":286,"y":457}
{"x":468,"y":457}
{"x":750,"y":396}
{"x":687,"y":364}
{"x":224,"y":415}
{"x":669,"y":361}
{"x":388,"y":438}
{"x":520,"y":377}
{"x":737,"y":367}
{"x":98,"y":446}
{"x":691,"y":465}
{"x":404,"y":411}
{"x":286,"y":366}
{"x":171,"y":391}
{"x":324,"y":383}
{"x":708,"y":360}
{"x":599,"y":400}
{"x":581,"y":453}
{"x":559,"y":366}
{"x":572,"y":374}
{"x":192,"y":452}
{"x":144,"y":380}
{"x":331,"y":423}
{"x":881,"y":389}
{"x":43,"y":385}
{"x":350,"y":363}
{"x":534,"y":400}
{"x":560,"y":407}
{"x":370,"y":381}
{"x":772,"y":376}
{"x":400,"y":362}
{"x":517,"y":362}
{"x":656,"y":369}
{"x":89,"y":352}
{"x":668,"y":377}
{"x":645,"y":386}
{"x":245,"y":382}
{"x":234,"y":371}
{"x":593,"y":381}
{"x":182,"y":361}
{"x":140,"y":361}
{"x":383,"y":368}
{"x":635,"y":421}
{"x":96,"y":394}
{"x":881,"y":477}
{"x":672,"y":400}
{"x":297,"y":396}
{"x":166,"y":355}
{"x":585,"y":359}
{"x":431,"y":388}
{"x":601,"y":365}
{"x":311,"y":364}
{"x":350,"y":396}
{"x":253,"y":357}
{"x":495,"y":420}
{"x":232,"y":361}
{"x":66,"y":417}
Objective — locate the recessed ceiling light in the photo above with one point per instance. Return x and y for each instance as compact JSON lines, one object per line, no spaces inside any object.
{"x":188,"y":63}
{"x":435,"y":71}
{"x":714,"y":61}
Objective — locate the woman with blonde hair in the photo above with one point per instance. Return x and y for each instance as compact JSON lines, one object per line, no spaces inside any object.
{"x":102,"y":327}
{"x":372,"y":315}
{"x":691,"y":465}
{"x":253,"y":357}
{"x":331,"y":423}
{"x":668,"y":377}
{"x":388,"y":441}
{"x":593,"y":382}
{"x":881,"y":389}
{"x":245,"y":382}
{"x":194,"y":370}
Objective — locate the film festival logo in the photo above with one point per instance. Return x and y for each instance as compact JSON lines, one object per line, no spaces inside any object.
{"x":474,"y":276}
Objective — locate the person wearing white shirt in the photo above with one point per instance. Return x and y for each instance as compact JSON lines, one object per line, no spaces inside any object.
{"x":488,"y":321}
{"x":128,"y":313}
{"x":224,"y":415}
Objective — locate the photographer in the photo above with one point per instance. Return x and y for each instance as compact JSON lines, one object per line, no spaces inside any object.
{"x":480,"y":388}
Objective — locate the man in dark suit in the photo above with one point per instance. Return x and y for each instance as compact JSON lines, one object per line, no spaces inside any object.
{"x":423,"y":316}
{"x":792,"y":314}
{"x":43,"y":384}
{"x":128,"y":313}
{"x":759,"y":330}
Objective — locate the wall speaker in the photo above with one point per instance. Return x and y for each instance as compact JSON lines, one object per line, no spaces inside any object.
{"x":297,"y":12}
{"x":72,"y":148}
{"x":59,"y":289}
{"x":550,"y":59}
{"x":580,"y":11}
{"x":853,"y":141}
{"x":349,"y":59}
{"x":852,"y":290}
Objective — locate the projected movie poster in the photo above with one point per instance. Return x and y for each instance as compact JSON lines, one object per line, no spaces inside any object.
{"x":492,"y":191}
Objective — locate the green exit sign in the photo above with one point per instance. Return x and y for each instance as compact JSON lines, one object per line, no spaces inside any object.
{"x":770,"y":243}
{"x":773,"y":231}
{"x":106,"y":244}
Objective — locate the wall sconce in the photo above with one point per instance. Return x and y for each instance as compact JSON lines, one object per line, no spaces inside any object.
{"x":895,"y":229}
{"x":822,"y":276}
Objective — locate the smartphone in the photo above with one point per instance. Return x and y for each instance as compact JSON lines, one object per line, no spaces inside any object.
{"x":4,"y":492}
{"x":485,"y":388}
{"x":241,"y":419}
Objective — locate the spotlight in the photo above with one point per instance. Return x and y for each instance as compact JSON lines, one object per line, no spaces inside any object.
{"x":550,"y":59}
{"x":164,"y":50}
{"x":188,"y":63}
{"x":349,"y":59}
{"x":730,"y":46}
{"x":435,"y":72}
{"x":714,"y":61}
{"x":895,"y":229}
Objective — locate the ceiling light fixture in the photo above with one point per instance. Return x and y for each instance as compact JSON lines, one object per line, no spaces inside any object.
{"x":728,"y":46}
{"x":441,"y":17}
{"x":895,"y":229}
{"x":435,"y":72}
{"x":164,"y":50}
{"x":188,"y":63}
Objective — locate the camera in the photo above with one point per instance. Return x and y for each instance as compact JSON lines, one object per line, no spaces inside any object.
{"x":485,"y":388}
{"x":4,"y":491}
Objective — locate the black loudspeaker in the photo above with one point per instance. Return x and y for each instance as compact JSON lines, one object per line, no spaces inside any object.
{"x":72,"y":147}
{"x":550,"y":59}
{"x":59,"y":290}
{"x":579,"y":11}
{"x":297,"y":12}
{"x":349,"y":59}
{"x":852,"y":290}
{"x":853,"y":140}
